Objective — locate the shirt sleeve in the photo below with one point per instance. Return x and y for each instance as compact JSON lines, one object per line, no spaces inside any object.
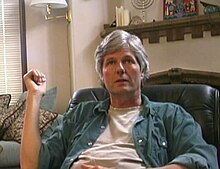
{"x":187,"y":146}
{"x":54,"y":149}
{"x":51,"y":152}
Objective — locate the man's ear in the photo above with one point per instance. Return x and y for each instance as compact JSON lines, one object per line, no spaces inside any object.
{"x":101,"y":78}
{"x":142,"y":75}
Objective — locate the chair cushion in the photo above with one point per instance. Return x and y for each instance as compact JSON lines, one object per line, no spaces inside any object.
{"x":4,"y":101}
{"x":13,"y":130}
{"x":9,"y":115}
{"x":9,"y":157}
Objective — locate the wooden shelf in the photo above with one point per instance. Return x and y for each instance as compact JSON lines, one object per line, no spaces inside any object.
{"x":173,"y":29}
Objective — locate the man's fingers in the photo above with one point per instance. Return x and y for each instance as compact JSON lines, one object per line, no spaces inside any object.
{"x":84,"y":166}
{"x":36,"y":76}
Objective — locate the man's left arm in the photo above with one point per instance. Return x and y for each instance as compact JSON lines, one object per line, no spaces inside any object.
{"x":187,"y":147}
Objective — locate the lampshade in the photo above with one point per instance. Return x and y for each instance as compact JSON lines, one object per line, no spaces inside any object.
{"x":52,"y":3}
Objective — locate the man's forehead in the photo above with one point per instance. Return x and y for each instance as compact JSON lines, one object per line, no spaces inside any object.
{"x":125,"y":51}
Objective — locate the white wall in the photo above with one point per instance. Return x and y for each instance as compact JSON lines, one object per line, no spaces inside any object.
{"x":198,"y":54}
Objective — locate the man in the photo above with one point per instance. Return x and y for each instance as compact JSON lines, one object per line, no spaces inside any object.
{"x":126,"y":131}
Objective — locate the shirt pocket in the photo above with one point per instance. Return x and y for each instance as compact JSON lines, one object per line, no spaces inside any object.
{"x":76,"y":135}
{"x":159,"y":148}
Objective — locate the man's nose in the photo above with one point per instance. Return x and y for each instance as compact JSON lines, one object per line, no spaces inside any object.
{"x":120,"y":68}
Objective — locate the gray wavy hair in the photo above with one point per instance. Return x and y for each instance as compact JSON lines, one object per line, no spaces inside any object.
{"x":115,"y":41}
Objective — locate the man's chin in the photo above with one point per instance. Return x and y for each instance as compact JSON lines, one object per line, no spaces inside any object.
{"x":122,"y":90}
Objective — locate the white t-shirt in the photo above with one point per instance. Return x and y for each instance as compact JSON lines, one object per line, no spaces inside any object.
{"x":115,"y":148}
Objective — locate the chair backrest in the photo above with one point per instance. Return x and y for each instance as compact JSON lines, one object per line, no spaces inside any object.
{"x":201,"y":101}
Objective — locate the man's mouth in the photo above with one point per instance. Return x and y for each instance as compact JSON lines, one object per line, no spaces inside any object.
{"x":121,"y":80}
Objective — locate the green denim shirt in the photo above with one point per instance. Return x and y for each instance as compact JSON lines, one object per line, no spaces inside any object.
{"x":164,"y":133}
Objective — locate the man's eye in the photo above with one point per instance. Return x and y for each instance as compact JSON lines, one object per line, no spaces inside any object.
{"x":110,"y":62}
{"x":128,"y":61}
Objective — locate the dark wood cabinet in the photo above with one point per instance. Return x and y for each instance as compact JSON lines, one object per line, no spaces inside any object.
{"x":186,"y":76}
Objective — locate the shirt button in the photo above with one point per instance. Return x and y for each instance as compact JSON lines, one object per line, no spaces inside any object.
{"x":140,"y":141}
{"x":102,"y":127}
{"x":71,"y":159}
{"x":163,"y":143}
{"x":89,"y":143}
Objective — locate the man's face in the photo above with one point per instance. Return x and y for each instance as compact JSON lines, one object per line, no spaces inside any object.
{"x":121,"y":72}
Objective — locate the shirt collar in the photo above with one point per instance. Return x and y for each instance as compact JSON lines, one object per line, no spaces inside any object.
{"x":103,"y":106}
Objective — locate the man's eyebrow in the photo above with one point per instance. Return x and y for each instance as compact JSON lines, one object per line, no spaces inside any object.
{"x":109,"y":58}
{"x":128,"y":55}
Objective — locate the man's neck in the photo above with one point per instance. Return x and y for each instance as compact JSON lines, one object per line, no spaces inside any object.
{"x":123,"y":101}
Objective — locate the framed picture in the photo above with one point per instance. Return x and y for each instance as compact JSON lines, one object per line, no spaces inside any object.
{"x":179,"y":8}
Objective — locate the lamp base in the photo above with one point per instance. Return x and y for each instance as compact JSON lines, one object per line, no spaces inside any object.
{"x":67,"y":16}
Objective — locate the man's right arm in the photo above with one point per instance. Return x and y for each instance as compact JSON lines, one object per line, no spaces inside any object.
{"x":31,"y":140}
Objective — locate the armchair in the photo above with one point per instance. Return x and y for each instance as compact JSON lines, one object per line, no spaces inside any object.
{"x":201,"y":101}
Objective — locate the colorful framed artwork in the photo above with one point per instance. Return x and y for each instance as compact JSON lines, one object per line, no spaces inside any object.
{"x":180,"y":8}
